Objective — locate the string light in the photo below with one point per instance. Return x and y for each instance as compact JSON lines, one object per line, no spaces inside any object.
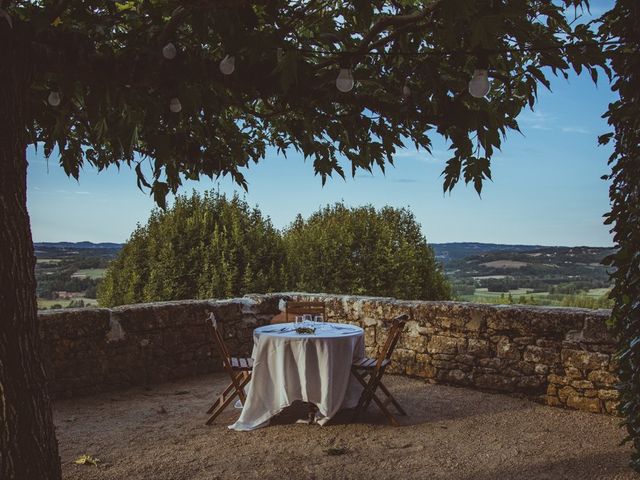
{"x":345,"y":82}
{"x":54,"y":99}
{"x":228,"y":65}
{"x":169,"y":51}
{"x":479,"y":85}
{"x":175,"y":106}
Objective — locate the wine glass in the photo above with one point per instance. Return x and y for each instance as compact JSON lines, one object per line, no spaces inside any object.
{"x":307,"y":318}
{"x":298,"y":321}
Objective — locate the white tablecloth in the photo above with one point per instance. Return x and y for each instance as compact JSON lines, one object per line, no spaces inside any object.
{"x":313,"y":368}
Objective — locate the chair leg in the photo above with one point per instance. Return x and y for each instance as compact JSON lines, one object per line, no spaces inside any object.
{"x":363,"y":396}
{"x":221,"y":397}
{"x":393,"y":400}
{"x":369,"y":395}
{"x":236,"y":392}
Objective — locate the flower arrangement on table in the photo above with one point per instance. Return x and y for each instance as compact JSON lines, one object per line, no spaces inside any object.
{"x":305,"y":330}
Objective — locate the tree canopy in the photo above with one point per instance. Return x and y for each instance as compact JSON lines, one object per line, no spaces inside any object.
{"x":144,"y":76}
{"x":202,"y":247}
{"x":361,"y":251}
{"x":213,"y":247}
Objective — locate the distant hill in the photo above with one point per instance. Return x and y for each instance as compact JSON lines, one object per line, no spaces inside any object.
{"x":447,"y":252}
{"x":77,"y":245}
{"x":60,"y":250}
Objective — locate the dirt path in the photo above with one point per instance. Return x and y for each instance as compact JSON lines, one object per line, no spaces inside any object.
{"x":450,"y":433}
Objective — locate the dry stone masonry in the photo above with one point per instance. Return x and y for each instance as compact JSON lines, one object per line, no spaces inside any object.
{"x":559,"y":356}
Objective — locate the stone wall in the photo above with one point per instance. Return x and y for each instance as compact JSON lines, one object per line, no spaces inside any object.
{"x":92,"y":350}
{"x":559,"y":356}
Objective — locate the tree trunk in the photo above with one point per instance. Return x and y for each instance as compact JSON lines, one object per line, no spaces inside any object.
{"x":28,"y":448}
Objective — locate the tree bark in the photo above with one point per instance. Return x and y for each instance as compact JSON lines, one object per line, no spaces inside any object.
{"x":28,"y":447}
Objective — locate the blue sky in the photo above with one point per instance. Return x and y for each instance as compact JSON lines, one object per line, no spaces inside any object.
{"x":546,"y":187}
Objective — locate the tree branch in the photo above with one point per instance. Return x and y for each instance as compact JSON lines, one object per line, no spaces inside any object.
{"x":172,"y":25}
{"x":367,"y":43}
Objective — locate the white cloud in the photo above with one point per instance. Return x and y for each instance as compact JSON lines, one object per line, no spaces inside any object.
{"x":536,"y":120}
{"x":436,"y":156}
{"x":575,"y":129}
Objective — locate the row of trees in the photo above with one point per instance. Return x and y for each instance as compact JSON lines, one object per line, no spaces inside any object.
{"x":213,"y":247}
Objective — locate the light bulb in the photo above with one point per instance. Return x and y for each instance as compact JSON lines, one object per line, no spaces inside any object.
{"x":169,"y":51}
{"x":54,"y":99}
{"x":174,"y":105}
{"x":479,"y":85}
{"x":344,"y":82}
{"x":228,"y":65}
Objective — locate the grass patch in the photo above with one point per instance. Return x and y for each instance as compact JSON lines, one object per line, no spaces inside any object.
{"x":44,"y":303}
{"x":92,"y":273}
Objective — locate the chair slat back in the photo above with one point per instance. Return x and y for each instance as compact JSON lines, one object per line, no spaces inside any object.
{"x":302,"y":308}
{"x":392,"y":339}
{"x":216,"y":335}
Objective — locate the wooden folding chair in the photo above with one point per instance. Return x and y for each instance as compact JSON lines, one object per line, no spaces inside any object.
{"x":369,"y":372}
{"x":239,"y":369}
{"x":302,"y":308}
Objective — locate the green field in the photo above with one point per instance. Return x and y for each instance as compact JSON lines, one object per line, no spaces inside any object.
{"x":44,"y":304}
{"x":48,"y":260}
{"x":593,"y":298}
{"x":92,"y":273}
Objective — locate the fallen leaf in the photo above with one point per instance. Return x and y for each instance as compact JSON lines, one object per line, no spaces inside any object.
{"x":87,"y":460}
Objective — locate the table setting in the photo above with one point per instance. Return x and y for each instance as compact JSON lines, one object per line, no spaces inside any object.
{"x":307,"y":360}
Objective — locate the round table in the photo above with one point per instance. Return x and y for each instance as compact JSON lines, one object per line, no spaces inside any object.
{"x":314,"y":368}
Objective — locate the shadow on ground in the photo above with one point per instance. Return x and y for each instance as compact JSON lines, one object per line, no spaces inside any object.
{"x":450,"y":433}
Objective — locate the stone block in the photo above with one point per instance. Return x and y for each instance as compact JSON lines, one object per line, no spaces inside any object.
{"x":611,"y":407}
{"x":595,"y":328}
{"x":533,"y":382}
{"x":608,"y":394}
{"x":541,"y":369}
{"x":565,"y":392}
{"x":453,"y":376}
{"x":422,"y":367}
{"x":537,"y":354}
{"x":553,"y":401}
{"x":493,"y":363}
{"x":573,"y":372}
{"x":602,"y":378}
{"x":583,"y":384}
{"x":506,"y":349}
{"x":370,"y":335}
{"x":465,"y":359}
{"x":476,"y":322}
{"x":416,"y":342}
{"x":585,"y":360}
{"x":442,"y":344}
{"x":479,"y":348}
{"x":558,"y":379}
{"x":586,"y":404}
{"x":369,"y":322}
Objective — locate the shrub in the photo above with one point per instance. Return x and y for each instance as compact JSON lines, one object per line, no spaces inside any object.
{"x":202,"y":247}
{"x":363,"y":251}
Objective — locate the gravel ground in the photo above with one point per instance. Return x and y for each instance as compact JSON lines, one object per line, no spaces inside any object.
{"x":450,"y":433}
